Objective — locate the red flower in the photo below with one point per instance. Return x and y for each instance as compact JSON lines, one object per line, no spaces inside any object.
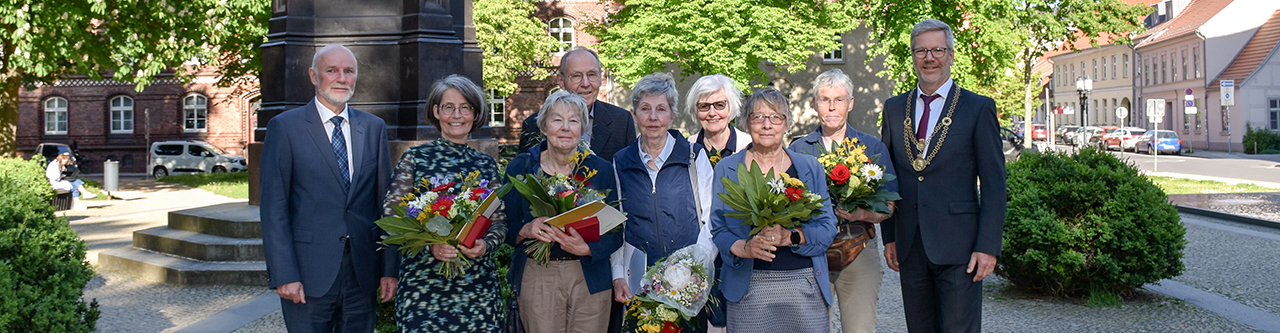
{"x":670,"y":327}
{"x":565,"y":193}
{"x":443,"y":187}
{"x":840,"y":174}
{"x":442,"y":207}
{"x":795,"y":193}
{"x":475,"y":193}
{"x":581,"y":179}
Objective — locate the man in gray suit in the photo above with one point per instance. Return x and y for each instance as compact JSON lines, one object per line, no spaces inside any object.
{"x":611,"y":127}
{"x":946,"y":235}
{"x":324,"y":171}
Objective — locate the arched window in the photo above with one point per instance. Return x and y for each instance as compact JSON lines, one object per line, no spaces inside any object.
{"x":561,"y":29}
{"x":55,"y":116}
{"x":195,"y":113}
{"x":122,"y":114}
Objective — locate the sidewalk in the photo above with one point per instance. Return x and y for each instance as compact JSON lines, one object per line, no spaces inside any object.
{"x":1234,"y":155}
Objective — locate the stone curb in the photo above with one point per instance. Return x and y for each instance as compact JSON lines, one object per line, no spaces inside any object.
{"x":1228,"y":217}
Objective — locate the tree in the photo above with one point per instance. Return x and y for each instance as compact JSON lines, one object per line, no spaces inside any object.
{"x":514,"y":41}
{"x":125,"y":40}
{"x":731,"y":37}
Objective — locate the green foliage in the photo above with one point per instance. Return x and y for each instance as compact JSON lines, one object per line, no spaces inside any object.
{"x":228,"y":184}
{"x":730,"y":37}
{"x":514,"y":42}
{"x":754,"y":201}
{"x":42,"y":261}
{"x":1087,"y":224}
{"x":1259,"y":141}
{"x":502,"y":260}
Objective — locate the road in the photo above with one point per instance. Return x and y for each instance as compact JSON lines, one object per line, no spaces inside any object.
{"x":1221,"y":165}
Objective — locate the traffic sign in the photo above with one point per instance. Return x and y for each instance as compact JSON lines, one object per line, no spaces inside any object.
{"x":1228,"y":92}
{"x":1189,"y":104}
{"x":1188,"y":91}
{"x":1155,"y":107}
{"x":1122,"y":112}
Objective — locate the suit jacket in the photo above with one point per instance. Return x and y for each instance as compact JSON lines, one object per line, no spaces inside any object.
{"x":954,"y":214}
{"x":612,"y":130}
{"x":819,"y":231}
{"x":306,"y":212}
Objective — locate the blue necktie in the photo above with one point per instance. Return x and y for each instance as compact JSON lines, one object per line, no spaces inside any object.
{"x":340,"y":149}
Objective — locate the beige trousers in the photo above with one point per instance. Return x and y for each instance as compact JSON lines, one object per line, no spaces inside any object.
{"x":857,"y":289}
{"x":555,"y":299}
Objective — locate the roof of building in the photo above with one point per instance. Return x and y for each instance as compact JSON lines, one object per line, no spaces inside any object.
{"x":1188,"y":21}
{"x":1261,"y":46}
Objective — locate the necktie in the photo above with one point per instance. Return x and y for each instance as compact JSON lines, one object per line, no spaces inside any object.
{"x":924,"y":118}
{"x":340,"y":150}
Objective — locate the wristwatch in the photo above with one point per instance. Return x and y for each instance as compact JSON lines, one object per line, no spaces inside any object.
{"x":795,"y":237}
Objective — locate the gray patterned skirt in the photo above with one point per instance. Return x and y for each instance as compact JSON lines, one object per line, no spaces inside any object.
{"x":780,"y":301}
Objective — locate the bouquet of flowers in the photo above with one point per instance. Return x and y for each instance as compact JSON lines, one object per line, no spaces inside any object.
{"x":673,"y":290}
{"x":437,"y":213}
{"x":854,"y":179}
{"x":766,"y":200}
{"x":553,"y":195}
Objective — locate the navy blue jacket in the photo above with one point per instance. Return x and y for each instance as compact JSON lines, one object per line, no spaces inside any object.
{"x":658,"y":223}
{"x":595,"y":267}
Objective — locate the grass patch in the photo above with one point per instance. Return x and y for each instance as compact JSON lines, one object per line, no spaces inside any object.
{"x":1172,"y":185}
{"x":94,"y":187}
{"x":232,"y":184}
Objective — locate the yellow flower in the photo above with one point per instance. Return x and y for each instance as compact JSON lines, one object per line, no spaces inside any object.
{"x":851,"y":161}
{"x":651,"y":327}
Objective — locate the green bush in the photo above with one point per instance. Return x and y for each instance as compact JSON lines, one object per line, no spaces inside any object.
{"x":42,"y":261}
{"x":1087,"y":225}
{"x":1260,"y":140}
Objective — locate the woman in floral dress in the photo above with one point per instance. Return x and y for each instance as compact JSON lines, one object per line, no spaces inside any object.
{"x":426,"y":301}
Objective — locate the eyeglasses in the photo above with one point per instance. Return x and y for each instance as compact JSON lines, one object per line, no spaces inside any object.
{"x":576,"y":78}
{"x":704,"y":107}
{"x":450,"y":109}
{"x":938,"y":52}
{"x":828,"y":101}
{"x":773,"y":118}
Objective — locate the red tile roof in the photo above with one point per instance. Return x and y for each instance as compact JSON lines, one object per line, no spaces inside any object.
{"x":1254,"y":53}
{"x":1188,"y":21}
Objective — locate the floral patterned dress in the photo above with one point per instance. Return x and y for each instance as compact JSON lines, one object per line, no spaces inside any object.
{"x":425,"y":300}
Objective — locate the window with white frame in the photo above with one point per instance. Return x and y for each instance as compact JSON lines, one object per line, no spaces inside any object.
{"x":1113,"y":67}
{"x":836,"y":55}
{"x":55,"y":116}
{"x":1185,"y":74}
{"x":1275,"y":114}
{"x":497,"y":109}
{"x":122,"y":114}
{"x":1104,"y":68}
{"x":561,"y":29}
{"x":1095,"y":69}
{"x":1195,"y":61}
{"x":195,"y":113}
{"x":1126,"y":65}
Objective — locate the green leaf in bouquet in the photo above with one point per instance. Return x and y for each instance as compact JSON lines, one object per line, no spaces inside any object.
{"x":397,"y":225}
{"x":439,"y":225}
{"x":400,"y":210}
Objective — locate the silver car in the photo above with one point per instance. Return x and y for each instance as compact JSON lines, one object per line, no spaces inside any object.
{"x":191,"y":157}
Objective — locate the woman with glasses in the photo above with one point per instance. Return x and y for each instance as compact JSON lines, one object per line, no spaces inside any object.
{"x":775,"y":281}
{"x":425,"y":300}
{"x":715,"y":101}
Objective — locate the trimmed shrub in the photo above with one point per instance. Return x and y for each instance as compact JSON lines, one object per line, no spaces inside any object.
{"x":1259,"y":140}
{"x":42,"y":261}
{"x":1087,"y":225}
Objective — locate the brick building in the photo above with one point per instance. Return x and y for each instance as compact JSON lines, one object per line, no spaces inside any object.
{"x":110,"y":120}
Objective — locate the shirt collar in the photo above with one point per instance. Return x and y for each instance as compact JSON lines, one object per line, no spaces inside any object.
{"x":326,"y":114}
{"x":662,"y":156}
{"x":943,"y":90}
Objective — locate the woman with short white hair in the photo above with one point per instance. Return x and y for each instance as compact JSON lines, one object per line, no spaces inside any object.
{"x":715,"y":101}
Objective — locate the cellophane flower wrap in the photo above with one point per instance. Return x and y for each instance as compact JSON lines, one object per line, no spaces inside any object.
{"x":764,"y":200}
{"x":673,"y":290}
{"x":435,"y":214}
{"x":854,"y":179}
{"x":549,"y":196}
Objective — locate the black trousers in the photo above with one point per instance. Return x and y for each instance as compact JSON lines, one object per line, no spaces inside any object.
{"x":938,"y":298}
{"x":345,"y":308}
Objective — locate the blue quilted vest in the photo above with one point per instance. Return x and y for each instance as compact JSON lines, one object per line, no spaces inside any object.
{"x":658,"y":223}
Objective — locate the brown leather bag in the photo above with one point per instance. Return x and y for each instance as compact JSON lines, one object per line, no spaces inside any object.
{"x":850,"y":239}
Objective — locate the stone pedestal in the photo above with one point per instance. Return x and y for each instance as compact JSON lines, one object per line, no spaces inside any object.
{"x":219,"y":244}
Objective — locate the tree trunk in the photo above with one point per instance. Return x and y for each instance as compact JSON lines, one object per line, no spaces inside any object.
{"x":1027,"y":80}
{"x":10,"y":81}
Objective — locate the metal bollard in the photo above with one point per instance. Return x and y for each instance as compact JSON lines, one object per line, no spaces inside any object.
{"x":110,"y":177}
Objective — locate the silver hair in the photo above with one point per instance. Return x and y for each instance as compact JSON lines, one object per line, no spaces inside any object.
{"x":933,"y":25}
{"x":470,"y":92}
{"x":655,"y":84}
{"x":834,"y":77}
{"x":771,"y":98}
{"x":316,"y":58}
{"x":566,"y":98}
{"x":564,"y":58}
{"x":709,"y":84}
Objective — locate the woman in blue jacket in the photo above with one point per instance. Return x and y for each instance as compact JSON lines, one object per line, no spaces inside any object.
{"x":776,"y":280}
{"x":570,"y":293}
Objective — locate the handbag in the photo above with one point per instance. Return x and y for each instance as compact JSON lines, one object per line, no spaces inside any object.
{"x":851,"y":239}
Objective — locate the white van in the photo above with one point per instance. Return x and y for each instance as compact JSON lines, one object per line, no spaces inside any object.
{"x":191,"y":156}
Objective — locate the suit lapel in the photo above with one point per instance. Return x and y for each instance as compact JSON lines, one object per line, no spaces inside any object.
{"x":358,"y":142}
{"x":600,"y":125}
{"x":324,"y":148}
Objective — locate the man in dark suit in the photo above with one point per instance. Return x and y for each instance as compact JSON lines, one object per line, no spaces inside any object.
{"x":611,"y":127}
{"x":324,"y":171}
{"x":946,"y":235}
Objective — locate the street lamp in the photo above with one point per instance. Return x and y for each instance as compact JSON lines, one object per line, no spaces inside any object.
{"x":1083,"y":86}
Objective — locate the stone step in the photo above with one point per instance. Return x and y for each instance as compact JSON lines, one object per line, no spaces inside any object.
{"x":163,"y":268}
{"x":235,"y":220}
{"x":198,"y":246}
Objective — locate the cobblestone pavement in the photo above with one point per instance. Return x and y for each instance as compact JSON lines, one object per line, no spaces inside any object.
{"x":271,"y":323}
{"x":133,"y":306}
{"x":1240,"y":267}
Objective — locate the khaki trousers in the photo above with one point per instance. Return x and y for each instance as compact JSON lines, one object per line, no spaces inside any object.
{"x":555,"y":299}
{"x":857,"y":289}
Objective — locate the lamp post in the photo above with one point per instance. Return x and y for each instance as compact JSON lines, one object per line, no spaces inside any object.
{"x":1083,"y":86}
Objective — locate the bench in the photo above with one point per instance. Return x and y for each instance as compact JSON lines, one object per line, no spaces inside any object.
{"x":62,"y":201}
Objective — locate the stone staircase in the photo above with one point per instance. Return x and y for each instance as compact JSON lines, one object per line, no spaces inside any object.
{"x":219,"y":244}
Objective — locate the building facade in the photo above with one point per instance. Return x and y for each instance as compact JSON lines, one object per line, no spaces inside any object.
{"x":1255,"y":73}
{"x":1108,"y":68}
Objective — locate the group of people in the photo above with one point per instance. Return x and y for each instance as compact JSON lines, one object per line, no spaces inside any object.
{"x":326,"y":175}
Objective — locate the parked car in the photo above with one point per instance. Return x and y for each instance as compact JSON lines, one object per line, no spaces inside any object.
{"x":1012,"y":144}
{"x":1164,"y":141}
{"x":1087,"y":136}
{"x":1066,"y":132}
{"x":1124,"y":138}
{"x":1039,"y":132}
{"x":191,"y":157}
{"x":51,"y":150}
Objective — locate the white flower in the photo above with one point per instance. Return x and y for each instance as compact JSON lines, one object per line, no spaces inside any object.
{"x":872,"y":172}
{"x":423,"y":200}
{"x":677,"y":276}
{"x":778,"y":186}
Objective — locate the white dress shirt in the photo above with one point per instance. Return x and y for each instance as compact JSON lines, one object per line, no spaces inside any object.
{"x":935,"y":110}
